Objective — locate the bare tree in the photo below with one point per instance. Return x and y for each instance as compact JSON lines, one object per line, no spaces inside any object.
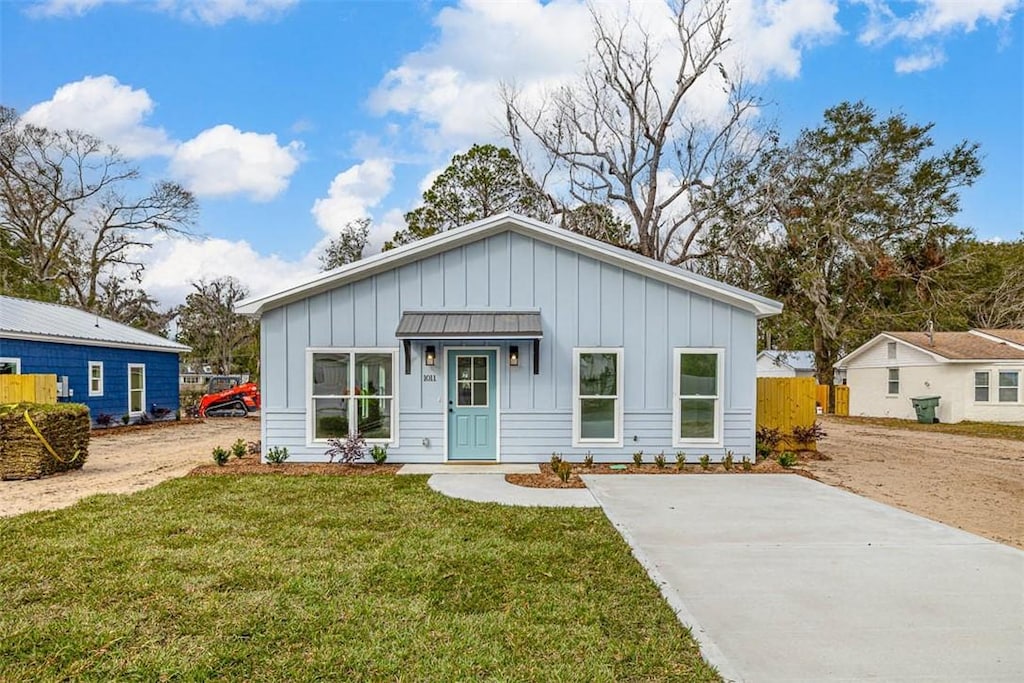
{"x":208,"y":323}
{"x":74,"y":212}
{"x":629,"y":132}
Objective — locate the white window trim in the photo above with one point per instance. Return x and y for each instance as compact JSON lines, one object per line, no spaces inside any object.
{"x":577,"y":441}
{"x":352,"y":350}
{"x":975,"y":386}
{"x":14,"y":361}
{"x":132,"y":366}
{"x":473,"y":380}
{"x":890,"y":350}
{"x":998,"y":387}
{"x":888,"y":381}
{"x":677,"y":438}
{"x":99,"y":392}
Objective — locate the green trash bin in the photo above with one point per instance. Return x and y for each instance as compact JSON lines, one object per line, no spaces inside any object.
{"x":926,"y":407}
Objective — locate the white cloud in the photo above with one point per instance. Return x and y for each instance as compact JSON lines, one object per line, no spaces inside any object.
{"x":212,"y":12}
{"x":353,"y":193}
{"x":224,"y":160}
{"x":174,"y":263}
{"x":921,"y":61}
{"x":108,"y":109}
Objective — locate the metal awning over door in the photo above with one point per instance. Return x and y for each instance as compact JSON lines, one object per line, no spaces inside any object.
{"x":464,"y":325}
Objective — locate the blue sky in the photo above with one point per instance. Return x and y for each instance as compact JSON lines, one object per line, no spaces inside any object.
{"x":288,"y":118}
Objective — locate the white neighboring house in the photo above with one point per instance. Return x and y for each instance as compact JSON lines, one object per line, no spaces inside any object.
{"x":978,"y":375}
{"x":774,"y":363}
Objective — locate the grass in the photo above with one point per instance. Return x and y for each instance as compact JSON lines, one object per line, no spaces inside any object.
{"x":987,"y":430}
{"x":344,"y":578}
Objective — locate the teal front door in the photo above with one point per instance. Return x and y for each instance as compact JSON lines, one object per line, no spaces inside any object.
{"x":472,"y":405}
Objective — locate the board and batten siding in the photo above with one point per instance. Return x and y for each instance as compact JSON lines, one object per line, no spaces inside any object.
{"x":583,"y":302}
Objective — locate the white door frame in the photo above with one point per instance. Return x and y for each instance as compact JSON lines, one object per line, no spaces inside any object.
{"x":497,"y":398}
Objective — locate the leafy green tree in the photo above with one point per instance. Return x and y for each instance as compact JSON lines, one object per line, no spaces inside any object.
{"x":218,"y":336}
{"x":485,"y":181}
{"x":348,"y":246}
{"x":849,"y":225}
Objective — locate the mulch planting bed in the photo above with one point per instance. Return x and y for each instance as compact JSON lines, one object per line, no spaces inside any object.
{"x":547,"y":479}
{"x":250,"y":464}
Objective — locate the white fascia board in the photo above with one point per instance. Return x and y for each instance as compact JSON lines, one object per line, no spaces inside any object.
{"x":998,"y":340}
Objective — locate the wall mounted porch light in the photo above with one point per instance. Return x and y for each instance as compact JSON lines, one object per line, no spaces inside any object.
{"x":431,"y":355}
{"x":513,"y":356}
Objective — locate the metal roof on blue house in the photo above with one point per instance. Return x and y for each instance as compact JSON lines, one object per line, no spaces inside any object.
{"x":41,"y":321}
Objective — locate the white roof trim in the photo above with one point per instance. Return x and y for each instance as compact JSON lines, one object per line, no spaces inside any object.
{"x":998,"y":340}
{"x":842,"y":362}
{"x":445,"y":241}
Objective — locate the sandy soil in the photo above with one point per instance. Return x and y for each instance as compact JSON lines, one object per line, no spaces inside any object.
{"x":972,"y":483}
{"x":128,"y":461}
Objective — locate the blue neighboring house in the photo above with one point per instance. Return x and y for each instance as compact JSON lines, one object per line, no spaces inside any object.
{"x":114,"y":369}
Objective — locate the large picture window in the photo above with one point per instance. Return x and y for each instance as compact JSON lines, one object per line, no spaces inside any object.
{"x":1009,"y":386}
{"x":352,"y":392}
{"x":597,"y":396}
{"x":697,"y":412}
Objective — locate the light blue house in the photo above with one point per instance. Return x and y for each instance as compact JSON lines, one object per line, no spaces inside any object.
{"x":116,"y":370}
{"x":507,"y":340}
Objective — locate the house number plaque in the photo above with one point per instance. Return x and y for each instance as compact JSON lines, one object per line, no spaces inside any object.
{"x":429,"y":378}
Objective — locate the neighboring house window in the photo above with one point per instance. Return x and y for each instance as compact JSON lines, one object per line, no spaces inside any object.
{"x":10,"y":366}
{"x":891,"y":346}
{"x":1009,"y":386}
{"x":190,"y":379}
{"x":597,"y":396}
{"x":95,"y":378}
{"x":981,"y":380}
{"x":894,"y":381}
{"x":136,"y":389}
{"x":698,"y":396}
{"x":352,"y":392}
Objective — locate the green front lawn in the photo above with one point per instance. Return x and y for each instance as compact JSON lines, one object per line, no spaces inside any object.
{"x":347,"y":578}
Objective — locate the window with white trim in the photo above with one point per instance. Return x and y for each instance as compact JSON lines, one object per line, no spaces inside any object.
{"x":136,"y":389}
{"x":352,"y":392}
{"x":893,"y":388}
{"x":981,"y":387}
{"x":10,"y":366}
{"x":891,"y":350}
{"x":597,"y":396}
{"x":697,"y":409}
{"x":95,"y":378}
{"x":1009,"y":386}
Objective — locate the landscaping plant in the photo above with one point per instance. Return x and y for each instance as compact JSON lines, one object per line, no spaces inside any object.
{"x":787,"y":459}
{"x":125,"y":419}
{"x":659,"y":460}
{"x":747,"y":465}
{"x":254,"y":447}
{"x":379,"y":453}
{"x":808,"y":434}
{"x":680,"y":460}
{"x":352,"y":449}
{"x":104,"y":419}
{"x":588,"y":459}
{"x":277,"y":455}
{"x":705,"y":462}
{"x":220,"y":455}
{"x":638,"y":458}
{"x":239,"y":448}
{"x":768,"y":439}
{"x":727,"y":461}
{"x":564,"y":471}
{"x":555,"y":459}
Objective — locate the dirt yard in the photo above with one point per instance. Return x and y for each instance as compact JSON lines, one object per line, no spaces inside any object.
{"x":975,"y":484}
{"x":128,"y":461}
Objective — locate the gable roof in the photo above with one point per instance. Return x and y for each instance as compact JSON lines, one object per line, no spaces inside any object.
{"x":510,"y":222}
{"x":951,"y":347}
{"x":798,"y":360}
{"x":41,"y":321}
{"x":1015,"y":337}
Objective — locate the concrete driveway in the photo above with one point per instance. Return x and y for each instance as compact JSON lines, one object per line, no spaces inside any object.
{"x":785,"y":579}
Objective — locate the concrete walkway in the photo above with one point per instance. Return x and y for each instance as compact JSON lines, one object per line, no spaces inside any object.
{"x":492,"y":488}
{"x":785,"y":579}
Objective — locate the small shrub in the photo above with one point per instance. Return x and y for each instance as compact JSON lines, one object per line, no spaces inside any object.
{"x":680,"y":460}
{"x":588,"y":459}
{"x":555,"y":459}
{"x":126,"y":418}
{"x":348,"y":451}
{"x":177,"y":415}
{"x":659,"y":460}
{"x":277,"y":455}
{"x":727,"y":461}
{"x":787,"y":459}
{"x":808,"y":434}
{"x":379,"y":453}
{"x":239,"y":448}
{"x":104,"y":419}
{"x":705,"y":462}
{"x":564,"y":471}
{"x":638,"y":458}
{"x":254,"y":447}
{"x":220,"y":455}
{"x":768,"y":439}
{"x":747,"y":465}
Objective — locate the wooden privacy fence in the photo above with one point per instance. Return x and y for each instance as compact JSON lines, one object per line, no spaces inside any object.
{"x":28,"y":388}
{"x":841,"y":401}
{"x":787,"y":402}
